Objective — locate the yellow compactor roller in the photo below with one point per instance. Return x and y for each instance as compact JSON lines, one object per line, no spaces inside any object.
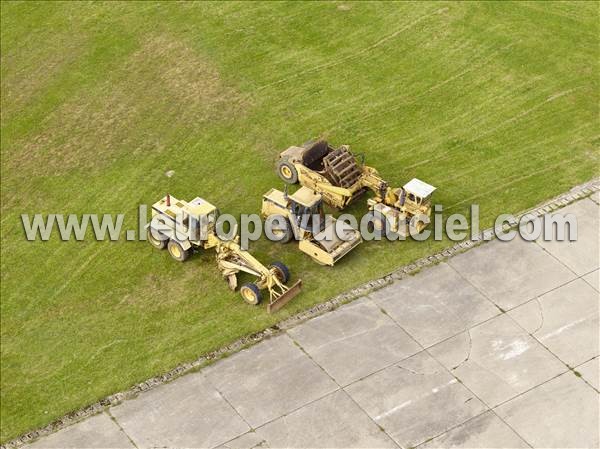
{"x":301,"y":215}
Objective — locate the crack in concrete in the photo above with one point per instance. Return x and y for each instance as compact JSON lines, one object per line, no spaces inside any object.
{"x":541,"y":309}
{"x":468,"y":332}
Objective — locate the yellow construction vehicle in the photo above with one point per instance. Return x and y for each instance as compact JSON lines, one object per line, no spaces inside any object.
{"x":301,"y":215}
{"x":340,"y":178}
{"x":184,"y":227}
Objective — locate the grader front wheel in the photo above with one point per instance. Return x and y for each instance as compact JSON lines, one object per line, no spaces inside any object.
{"x":281,"y":271}
{"x":251,"y":294}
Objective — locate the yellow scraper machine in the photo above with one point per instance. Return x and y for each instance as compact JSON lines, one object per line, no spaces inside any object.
{"x":184,"y":227}
{"x":337,"y":175}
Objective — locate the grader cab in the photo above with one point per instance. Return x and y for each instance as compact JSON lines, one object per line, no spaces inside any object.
{"x":184,"y":227}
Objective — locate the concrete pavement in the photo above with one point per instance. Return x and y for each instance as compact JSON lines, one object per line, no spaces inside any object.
{"x":496,"y":347}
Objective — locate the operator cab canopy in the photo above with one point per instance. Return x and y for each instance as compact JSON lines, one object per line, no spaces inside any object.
{"x":306,"y":203}
{"x":419,"y":188}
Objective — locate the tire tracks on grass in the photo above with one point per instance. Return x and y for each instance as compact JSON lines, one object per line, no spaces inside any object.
{"x":522,"y":114}
{"x":362,"y":98}
{"x":505,"y":185}
{"x":356,"y":54}
{"x":524,"y":150}
{"x":81,"y":266}
{"x":413,"y":99}
{"x":446,"y":155}
{"x":473,"y":110}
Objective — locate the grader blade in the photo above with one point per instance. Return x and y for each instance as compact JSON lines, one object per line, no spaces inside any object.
{"x":285,"y":297}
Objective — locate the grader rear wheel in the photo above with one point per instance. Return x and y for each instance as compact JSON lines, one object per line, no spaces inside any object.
{"x":177,"y":252}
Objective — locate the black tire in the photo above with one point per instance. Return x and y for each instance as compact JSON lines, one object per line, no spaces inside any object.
{"x":177,"y":252}
{"x":251,"y":294}
{"x":155,"y":242}
{"x":421,"y":225}
{"x":287,"y":172}
{"x":380,"y":223}
{"x":281,"y":271}
{"x":286,"y":232}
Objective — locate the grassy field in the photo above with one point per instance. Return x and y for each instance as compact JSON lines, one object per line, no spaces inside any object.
{"x":493,"y":103}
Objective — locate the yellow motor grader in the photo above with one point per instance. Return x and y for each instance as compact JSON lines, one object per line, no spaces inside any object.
{"x":323,"y":238}
{"x":337,"y":175}
{"x":184,"y":227}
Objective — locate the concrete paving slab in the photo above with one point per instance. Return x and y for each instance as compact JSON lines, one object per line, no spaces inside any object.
{"x":582,"y":255}
{"x":562,"y":413}
{"x":510,"y":273}
{"x":269,"y":380}
{"x":485,"y":431}
{"x":415,"y":400}
{"x":593,"y":279}
{"x":497,"y":360}
{"x":334,"y":421}
{"x":565,"y":321}
{"x":98,"y":431}
{"x":354,"y":341}
{"x":435,"y":304}
{"x":595,"y":197}
{"x":187,"y":412}
{"x":590,"y":371}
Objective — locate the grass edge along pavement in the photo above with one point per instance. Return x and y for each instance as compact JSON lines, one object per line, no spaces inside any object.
{"x":574,"y":194}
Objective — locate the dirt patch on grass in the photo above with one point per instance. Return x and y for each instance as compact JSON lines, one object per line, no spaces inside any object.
{"x":163,"y":87}
{"x":82,"y":133}
{"x":187,"y":79}
{"x":24,"y":79}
